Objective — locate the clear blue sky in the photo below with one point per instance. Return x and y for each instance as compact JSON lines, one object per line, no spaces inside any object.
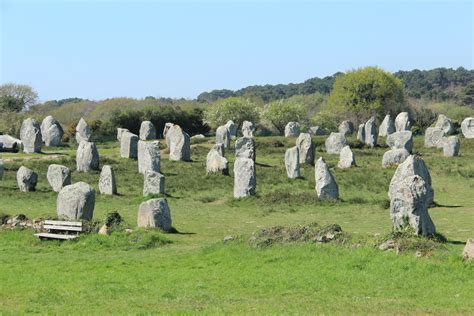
{"x":102,"y":49}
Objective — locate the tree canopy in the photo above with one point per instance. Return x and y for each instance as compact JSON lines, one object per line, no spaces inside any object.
{"x":279,"y":113}
{"x":17,"y":97}
{"x":234,"y":108}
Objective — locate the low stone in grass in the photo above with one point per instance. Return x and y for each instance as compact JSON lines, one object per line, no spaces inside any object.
{"x":346,"y":128}
{"x":400,"y":140}
{"x":245,"y":180}
{"x":129,"y":145}
{"x":468,"y":251}
{"x":292,"y":163}
{"x":292,"y":129}
{"x":433,"y":136}
{"x":216,"y":163}
{"x":87,"y":157}
{"x":76,"y":201}
{"x":155,"y":213}
{"x":334,"y":143}
{"x":107,"y":183}
{"x":467,"y":127}
{"x":451,"y":146}
{"x":346,"y":158}
{"x":26,"y":179}
{"x":58,"y":177}
{"x":315,"y":130}
{"x":153,"y":183}
{"x":394,"y":157}
{"x":326,"y":186}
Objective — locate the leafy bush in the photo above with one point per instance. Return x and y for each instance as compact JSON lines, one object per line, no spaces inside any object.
{"x":279,"y":113}
{"x":233,"y":108}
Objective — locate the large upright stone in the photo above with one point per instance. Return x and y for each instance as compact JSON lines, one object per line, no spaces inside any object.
{"x":232,"y":128}
{"x":153,"y":183}
{"x":402,"y":122}
{"x":129,"y":145}
{"x":433,"y":136}
{"x":292,"y":129}
{"x":361,"y":133}
{"x":445,"y":124}
{"x":149,"y":156}
{"x":245,"y":180}
{"x":58,"y":177}
{"x":30,"y":135}
{"x":76,"y":201}
{"x":179,"y":144}
{"x":334,"y":143}
{"x":26,"y":179}
{"x":394,"y":157}
{"x":147,"y":131}
{"x":107,"y":183}
{"x":315,"y":130}
{"x":51,"y":131}
{"x":247,"y":129}
{"x":467,"y":127}
{"x":292,"y":163}
{"x":155,"y":213}
{"x":245,"y":148}
{"x":120,"y":132}
{"x":306,"y":148}
{"x":346,"y":158}
{"x":387,"y":127}
{"x":326,"y":186}
{"x":409,"y":206}
{"x":83,"y":131}
{"x":370,"y":130}
{"x":400,"y":140}
{"x":451,"y":146}
{"x":223,"y":136}
{"x":87,"y":157}
{"x":346,"y":128}
{"x":216,"y":163}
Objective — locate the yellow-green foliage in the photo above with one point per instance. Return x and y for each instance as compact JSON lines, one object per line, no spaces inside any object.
{"x":279,"y":113}
{"x":234,"y":108}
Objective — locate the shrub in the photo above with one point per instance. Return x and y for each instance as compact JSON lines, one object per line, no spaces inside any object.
{"x":234,"y":108}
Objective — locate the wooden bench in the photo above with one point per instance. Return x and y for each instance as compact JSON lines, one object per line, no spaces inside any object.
{"x":70,"y":230}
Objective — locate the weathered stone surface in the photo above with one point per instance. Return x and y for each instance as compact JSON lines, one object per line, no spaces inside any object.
{"x":468,"y":251}
{"x":155,"y":213}
{"x":107,"y":183}
{"x":120,"y":131}
{"x":220,"y":148}
{"x":149,"y":156}
{"x":153,"y":183}
{"x":394,"y":157}
{"x":197,"y":136}
{"x":30,"y":135}
{"x":83,"y":131}
{"x":400,"y":140}
{"x":26,"y":179}
{"x":165,"y":132}
{"x":409,"y":206}
{"x":51,"y":131}
{"x":292,"y":163}
{"x":433,"y":136}
{"x":387,"y":127}
{"x":76,"y":201}
{"x":306,"y":148}
{"x":451,"y":146}
{"x":292,"y":129}
{"x":216,"y":163}
{"x":413,"y":165}
{"x":334,"y":143}
{"x":346,"y":128}
{"x":245,"y":148}
{"x":346,"y":158}
{"x":248,"y":128}
{"x":361,"y":133}
{"x":402,"y":122}
{"x":467,"y":127}
{"x":87,"y":157}
{"x":129,"y":145}
{"x":147,"y":131}
{"x":180,"y":148}
{"x":445,"y":124}
{"x":58,"y":177}
{"x":223,"y":136}
{"x":232,"y":128}
{"x":316,"y":130}
{"x":10,"y":143}
{"x":326,"y":186}
{"x":245,"y":180}
{"x":370,"y":130}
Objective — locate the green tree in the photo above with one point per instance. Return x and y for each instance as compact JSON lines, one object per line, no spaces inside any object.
{"x":279,"y":113}
{"x":367,"y":91}
{"x":17,"y":97}
{"x":234,"y":108}
{"x":468,"y":95}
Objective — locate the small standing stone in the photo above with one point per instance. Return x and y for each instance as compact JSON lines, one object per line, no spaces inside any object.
{"x":26,"y":179}
{"x":334,"y":143}
{"x":107,"y":184}
{"x":292,"y":163}
{"x":306,"y":148}
{"x":216,"y":163}
{"x":346,"y":128}
{"x":394,"y":157}
{"x":292,"y":129}
{"x":346,"y":158}
{"x":149,"y":156}
{"x":326,"y":186}
{"x":154,"y":183}
{"x":445,"y":124}
{"x":247,"y":129}
{"x":120,"y":131}
{"x":179,"y":144}
{"x":223,"y":136}
{"x":87,"y":157}
{"x":433,"y":136}
{"x":387,"y":127}
{"x":58,"y":177}
{"x":467,"y":127}
{"x":451,"y":146}
{"x":83,"y":131}
{"x":51,"y":131}
{"x":232,"y":128}
{"x":402,"y":122}
{"x":147,"y":131}
{"x":155,"y":213}
{"x":245,"y":148}
{"x":468,"y":251}
{"x":129,"y":145}
{"x":30,"y":135}
{"x":315,"y":130}
{"x":400,"y":140}
{"x":361,"y":133}
{"x":371,"y":132}
{"x":76,"y":201}
{"x":245,"y":180}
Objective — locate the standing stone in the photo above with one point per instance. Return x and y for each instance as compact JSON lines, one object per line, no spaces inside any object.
{"x":179,"y":144}
{"x":245,"y":148}
{"x":58,"y":177}
{"x":413,"y":165}
{"x":232,"y":128}
{"x":468,"y":251}
{"x":26,"y":179}
{"x":120,"y":132}
{"x":129,"y":145}
{"x":220,"y":148}
{"x":361,"y":133}
{"x":334,"y":143}
{"x":451,"y":146}
{"x":292,"y":129}
{"x":245,"y":180}
{"x":292,"y":163}
{"x":147,"y":131}
{"x":326,"y":186}
{"x":467,"y":127}
{"x":433,"y":136}
{"x":399,"y":140}
{"x":247,"y":129}
{"x":87,"y":157}
{"x":165,"y":132}
{"x":216,"y":163}
{"x":370,"y":132}
{"x":387,"y":127}
{"x":76,"y":201}
{"x":223,"y":136}
{"x":154,"y":183}
{"x":2,"y":168}
{"x":155,"y":213}
{"x":346,"y":128}
{"x":346,"y":158}
{"x":83,"y":131}
{"x":306,"y":148}
{"x":402,"y":122}
{"x":409,"y":206}
{"x":51,"y":131}
{"x":445,"y":124}
{"x":149,"y":156}
{"x":107,"y":184}
{"x":394,"y":157}
{"x":315,"y":130}
{"x":30,"y":135}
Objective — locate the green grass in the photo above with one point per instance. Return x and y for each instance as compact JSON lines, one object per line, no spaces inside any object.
{"x":194,"y":271}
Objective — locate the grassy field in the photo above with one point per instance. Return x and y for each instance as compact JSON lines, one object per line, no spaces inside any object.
{"x":195,"y":271}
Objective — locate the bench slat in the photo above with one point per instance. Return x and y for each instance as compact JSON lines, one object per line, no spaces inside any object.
{"x":66,"y":228}
{"x":55,"y":236}
{"x":62,"y":223}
